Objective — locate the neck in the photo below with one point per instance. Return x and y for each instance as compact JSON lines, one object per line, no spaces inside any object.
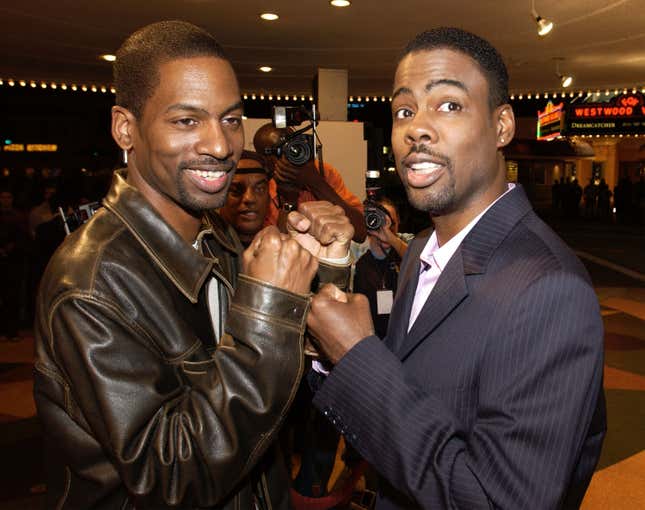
{"x":449,"y":225}
{"x":186,"y":224}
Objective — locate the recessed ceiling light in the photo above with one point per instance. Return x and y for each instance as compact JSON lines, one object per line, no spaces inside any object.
{"x":340,"y":3}
{"x":269,"y":16}
{"x":266,"y":69}
{"x":108,"y":58}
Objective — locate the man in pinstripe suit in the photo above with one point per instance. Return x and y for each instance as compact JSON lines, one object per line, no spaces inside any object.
{"x":487,"y":389}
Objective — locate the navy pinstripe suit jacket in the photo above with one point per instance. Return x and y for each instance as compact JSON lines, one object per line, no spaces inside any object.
{"x":494,"y":398}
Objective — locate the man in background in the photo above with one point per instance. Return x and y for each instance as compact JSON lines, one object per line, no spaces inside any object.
{"x":292,"y":184}
{"x":377,"y":271}
{"x":247,"y":203}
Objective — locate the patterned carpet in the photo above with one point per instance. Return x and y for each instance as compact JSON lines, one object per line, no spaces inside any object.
{"x":619,"y":482}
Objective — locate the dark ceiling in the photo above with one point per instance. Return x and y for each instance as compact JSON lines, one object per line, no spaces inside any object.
{"x":601,"y":42}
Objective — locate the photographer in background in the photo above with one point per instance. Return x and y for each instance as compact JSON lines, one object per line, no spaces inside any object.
{"x":377,"y":271}
{"x":247,"y":202}
{"x":292,"y":184}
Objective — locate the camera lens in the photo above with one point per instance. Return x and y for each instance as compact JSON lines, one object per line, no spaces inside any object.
{"x":374,"y":216}
{"x":298,"y":151}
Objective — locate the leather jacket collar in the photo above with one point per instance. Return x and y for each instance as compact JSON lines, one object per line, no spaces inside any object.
{"x":186,"y":267}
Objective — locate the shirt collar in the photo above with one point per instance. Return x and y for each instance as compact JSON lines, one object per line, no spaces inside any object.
{"x":439,"y":256}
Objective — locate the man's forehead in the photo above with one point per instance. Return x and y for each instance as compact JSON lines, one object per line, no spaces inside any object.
{"x":423,"y":63}
{"x":249,"y":176}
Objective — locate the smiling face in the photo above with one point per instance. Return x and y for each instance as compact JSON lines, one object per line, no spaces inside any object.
{"x":247,"y":203}
{"x":184,"y":147}
{"x":445,"y":136}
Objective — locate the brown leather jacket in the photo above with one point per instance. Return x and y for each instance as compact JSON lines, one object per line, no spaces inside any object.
{"x":139,"y":407}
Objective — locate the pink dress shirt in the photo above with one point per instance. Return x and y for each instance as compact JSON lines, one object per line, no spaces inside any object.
{"x":434,"y":259}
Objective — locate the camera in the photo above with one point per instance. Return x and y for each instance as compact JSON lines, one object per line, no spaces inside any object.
{"x":375,"y":215}
{"x":298,"y":147}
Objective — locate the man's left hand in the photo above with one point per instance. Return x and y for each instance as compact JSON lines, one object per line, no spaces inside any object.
{"x":322,"y":228}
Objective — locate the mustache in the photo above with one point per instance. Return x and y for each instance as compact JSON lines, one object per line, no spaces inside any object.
{"x":424,"y":149}
{"x":220,"y":165}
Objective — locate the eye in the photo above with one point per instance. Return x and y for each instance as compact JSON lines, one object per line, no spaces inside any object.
{"x":449,"y":106}
{"x":235,"y":190}
{"x":186,"y":121}
{"x":403,"y":113}
{"x":233,"y":122}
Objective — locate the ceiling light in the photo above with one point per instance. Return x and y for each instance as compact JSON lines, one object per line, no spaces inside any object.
{"x":266,"y":69}
{"x":544,"y":25}
{"x":340,"y":3}
{"x":269,"y":16}
{"x":565,"y":79}
{"x":107,"y":57}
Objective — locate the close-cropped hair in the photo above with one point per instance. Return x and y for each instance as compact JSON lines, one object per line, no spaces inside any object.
{"x":480,"y":50}
{"x":136,"y":70}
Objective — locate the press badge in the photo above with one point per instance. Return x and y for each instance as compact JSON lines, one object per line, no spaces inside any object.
{"x":384,"y":301}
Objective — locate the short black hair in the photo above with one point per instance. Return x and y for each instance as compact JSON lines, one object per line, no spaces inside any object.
{"x":136,"y":70}
{"x":480,"y":50}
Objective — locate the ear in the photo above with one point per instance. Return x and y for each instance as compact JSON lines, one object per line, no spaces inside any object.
{"x":505,"y":125}
{"x":123,"y":126}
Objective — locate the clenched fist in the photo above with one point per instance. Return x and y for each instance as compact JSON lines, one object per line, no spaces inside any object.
{"x":322,"y":228}
{"x":338,"y":321}
{"x":277,"y":259}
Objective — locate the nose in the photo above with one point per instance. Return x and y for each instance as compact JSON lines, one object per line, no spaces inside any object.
{"x":215,"y":141}
{"x":421,"y":129}
{"x":249,"y":196}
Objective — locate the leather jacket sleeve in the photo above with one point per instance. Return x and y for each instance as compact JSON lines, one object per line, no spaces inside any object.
{"x":183,"y":429}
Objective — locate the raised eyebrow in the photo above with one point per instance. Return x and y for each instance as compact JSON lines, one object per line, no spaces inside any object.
{"x":431,"y":85}
{"x":445,"y":81}
{"x":400,"y":91}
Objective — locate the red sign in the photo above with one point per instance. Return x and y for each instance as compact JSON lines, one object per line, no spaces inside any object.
{"x":624,"y":114}
{"x":621,"y":106}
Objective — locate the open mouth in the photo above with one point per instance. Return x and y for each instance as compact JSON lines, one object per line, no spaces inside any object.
{"x":424,"y":172}
{"x":209,"y":181}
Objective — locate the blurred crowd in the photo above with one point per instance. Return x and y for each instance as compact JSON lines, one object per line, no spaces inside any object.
{"x":31,"y":228}
{"x":625,"y":204}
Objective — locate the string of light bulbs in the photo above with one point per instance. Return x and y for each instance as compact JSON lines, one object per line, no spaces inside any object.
{"x":264,"y":96}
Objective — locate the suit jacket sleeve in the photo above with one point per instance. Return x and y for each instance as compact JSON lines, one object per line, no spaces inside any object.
{"x":537,"y":388}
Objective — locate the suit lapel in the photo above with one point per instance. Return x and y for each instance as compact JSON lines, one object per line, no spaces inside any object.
{"x":448,"y":292}
{"x":406,"y":288}
{"x":470,"y":258}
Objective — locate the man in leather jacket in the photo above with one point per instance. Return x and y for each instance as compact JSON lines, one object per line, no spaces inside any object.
{"x":165,"y":358}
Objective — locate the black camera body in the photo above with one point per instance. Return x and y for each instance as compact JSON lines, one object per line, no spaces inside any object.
{"x":375,"y":215}
{"x":299,"y":148}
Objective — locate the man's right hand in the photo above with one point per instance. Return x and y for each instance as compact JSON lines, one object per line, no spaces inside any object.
{"x":338,"y":321}
{"x":277,"y":259}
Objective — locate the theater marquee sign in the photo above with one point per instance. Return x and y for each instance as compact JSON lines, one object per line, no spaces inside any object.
{"x":624,"y":114}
